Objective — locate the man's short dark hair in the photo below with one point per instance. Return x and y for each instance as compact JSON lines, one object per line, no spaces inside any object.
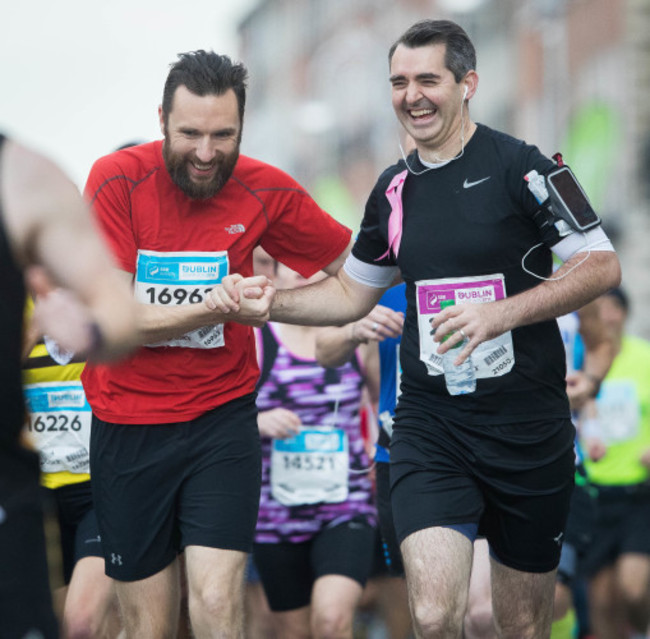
{"x":205,"y":73}
{"x":460,"y":55}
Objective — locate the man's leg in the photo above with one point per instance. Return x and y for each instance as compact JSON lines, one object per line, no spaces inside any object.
{"x":293,"y":624}
{"x":478,"y":623}
{"x":215,"y":580}
{"x":438,"y":562}
{"x":90,"y":604}
{"x":258,"y":618}
{"x":605,"y":610}
{"x":522,"y":602}
{"x":150,"y":607}
{"x":334,"y":601}
{"x":633,"y":582}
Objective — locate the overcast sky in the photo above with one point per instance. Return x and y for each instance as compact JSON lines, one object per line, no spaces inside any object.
{"x":81,"y":77}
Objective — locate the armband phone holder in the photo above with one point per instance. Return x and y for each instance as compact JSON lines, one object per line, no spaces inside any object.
{"x":568,"y":200}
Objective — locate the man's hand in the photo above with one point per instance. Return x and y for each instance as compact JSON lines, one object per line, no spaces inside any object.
{"x":476,"y":322}
{"x":278,"y":423}
{"x":380,"y":323}
{"x":246,"y":299}
{"x":59,"y":314}
{"x":596,"y":448}
{"x":580,"y":388}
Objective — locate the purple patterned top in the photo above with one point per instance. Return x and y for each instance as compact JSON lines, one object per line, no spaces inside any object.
{"x":312,"y":392}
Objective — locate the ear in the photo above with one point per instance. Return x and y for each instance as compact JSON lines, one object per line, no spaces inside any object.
{"x":161,"y":120}
{"x":471,"y":83}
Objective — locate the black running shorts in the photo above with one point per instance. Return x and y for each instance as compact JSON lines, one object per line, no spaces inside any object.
{"x":159,"y":488}
{"x":622,"y":526}
{"x":514,"y":480}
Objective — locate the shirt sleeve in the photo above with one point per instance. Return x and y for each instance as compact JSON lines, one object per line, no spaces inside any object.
{"x":108,"y":192}
{"x":371,"y":245}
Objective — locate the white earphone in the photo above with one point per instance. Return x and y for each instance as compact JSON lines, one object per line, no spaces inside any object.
{"x":465,"y":93}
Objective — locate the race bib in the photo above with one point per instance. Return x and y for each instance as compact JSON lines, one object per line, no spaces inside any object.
{"x":59,"y":423}
{"x":619,"y":412}
{"x":492,"y":358}
{"x":311,"y":467}
{"x":168,"y":279}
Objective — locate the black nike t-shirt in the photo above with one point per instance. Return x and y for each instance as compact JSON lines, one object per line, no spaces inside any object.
{"x":473,"y":217}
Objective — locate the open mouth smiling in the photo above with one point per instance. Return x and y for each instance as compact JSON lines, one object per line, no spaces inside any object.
{"x":420,"y":114}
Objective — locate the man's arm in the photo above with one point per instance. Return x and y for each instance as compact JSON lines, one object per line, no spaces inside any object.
{"x":600,"y":350}
{"x":334,"y":267}
{"x":333,"y":301}
{"x":50,"y":226}
{"x":336,"y":345}
{"x":160,"y":323}
{"x":577,"y":282}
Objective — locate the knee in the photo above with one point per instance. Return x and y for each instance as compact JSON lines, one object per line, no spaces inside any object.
{"x":81,"y":625}
{"x":214,"y":602}
{"x":431,"y":620}
{"x":530,"y":628}
{"x":478,"y":622}
{"x":331,"y":624}
{"x":635,"y":600}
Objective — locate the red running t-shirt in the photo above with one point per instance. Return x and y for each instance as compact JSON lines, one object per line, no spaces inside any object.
{"x":176,"y":247}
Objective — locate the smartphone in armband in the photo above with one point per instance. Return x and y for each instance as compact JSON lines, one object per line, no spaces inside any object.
{"x":569,"y":201}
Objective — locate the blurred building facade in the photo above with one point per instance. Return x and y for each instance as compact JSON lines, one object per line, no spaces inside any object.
{"x":567,"y":75}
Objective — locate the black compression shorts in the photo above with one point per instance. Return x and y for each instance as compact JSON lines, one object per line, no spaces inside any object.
{"x":77,"y":524}
{"x":390,"y":546}
{"x":288,"y":571}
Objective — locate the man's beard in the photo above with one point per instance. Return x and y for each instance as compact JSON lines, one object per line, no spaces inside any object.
{"x":177,"y":167}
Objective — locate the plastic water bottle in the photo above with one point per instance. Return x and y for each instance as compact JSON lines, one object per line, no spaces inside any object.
{"x":460,"y":380}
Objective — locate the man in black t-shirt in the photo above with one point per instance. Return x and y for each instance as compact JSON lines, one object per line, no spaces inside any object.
{"x":457,"y":221}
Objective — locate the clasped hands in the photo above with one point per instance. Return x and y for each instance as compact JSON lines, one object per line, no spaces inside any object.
{"x":246,"y":299}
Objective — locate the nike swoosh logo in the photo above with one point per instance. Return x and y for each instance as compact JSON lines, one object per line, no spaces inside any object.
{"x":469,"y":185}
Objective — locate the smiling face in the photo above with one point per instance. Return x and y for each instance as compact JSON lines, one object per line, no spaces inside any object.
{"x":202,"y":136}
{"x":427,"y":99}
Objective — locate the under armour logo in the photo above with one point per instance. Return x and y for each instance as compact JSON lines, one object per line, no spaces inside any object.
{"x":116,"y":559}
{"x":558,"y":539}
